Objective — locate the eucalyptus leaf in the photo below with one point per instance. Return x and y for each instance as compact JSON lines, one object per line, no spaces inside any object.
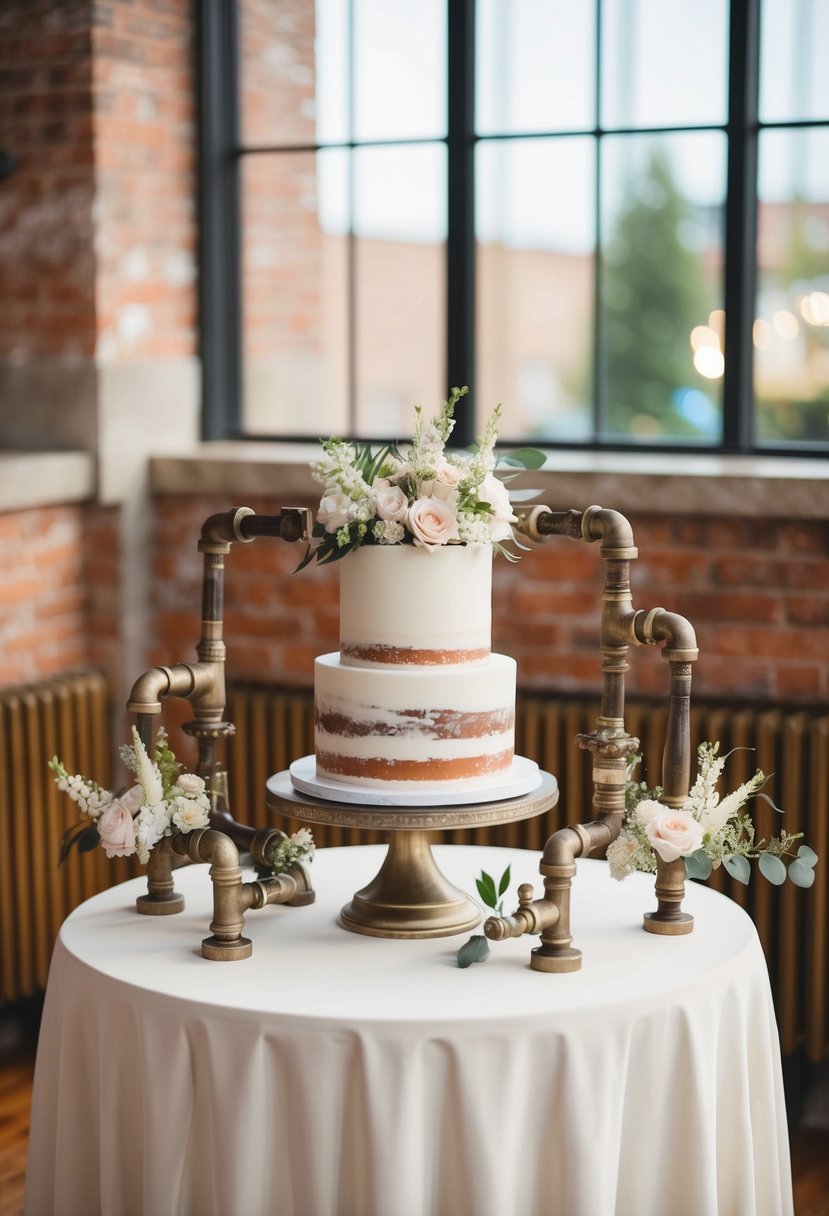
{"x":738,"y":867}
{"x":808,"y":856}
{"x":801,"y":874}
{"x":698,"y":866}
{"x":772,"y":868}
{"x":476,"y":950}
{"x":505,"y":881}
{"x":486,"y":889}
{"x":525,"y":458}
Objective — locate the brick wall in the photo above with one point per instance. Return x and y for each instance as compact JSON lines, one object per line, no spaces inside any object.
{"x":46,"y":119}
{"x":97,"y":248}
{"x":757,"y":593}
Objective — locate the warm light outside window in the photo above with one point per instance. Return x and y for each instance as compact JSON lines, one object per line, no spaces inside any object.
{"x":602,"y":168}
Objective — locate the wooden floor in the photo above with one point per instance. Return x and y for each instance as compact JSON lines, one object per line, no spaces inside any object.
{"x":810,"y":1146}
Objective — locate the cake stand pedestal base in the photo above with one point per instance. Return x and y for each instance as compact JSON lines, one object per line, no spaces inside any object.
{"x":409,"y":896}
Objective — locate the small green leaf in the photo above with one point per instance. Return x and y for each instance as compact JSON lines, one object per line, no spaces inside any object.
{"x":801,"y":874}
{"x":808,"y":856}
{"x":772,"y":868}
{"x":486,"y":889}
{"x":88,"y":839}
{"x":698,"y":866}
{"x":476,"y":950}
{"x":525,"y":458}
{"x":505,"y":881}
{"x":738,"y":867}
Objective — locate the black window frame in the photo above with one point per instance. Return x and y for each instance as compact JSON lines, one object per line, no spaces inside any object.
{"x":221,"y":153}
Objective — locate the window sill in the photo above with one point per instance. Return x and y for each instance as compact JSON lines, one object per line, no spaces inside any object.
{"x":770,"y":487}
{"x":44,"y":479}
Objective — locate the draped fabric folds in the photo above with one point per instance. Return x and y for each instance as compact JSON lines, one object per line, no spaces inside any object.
{"x":339,"y":1075}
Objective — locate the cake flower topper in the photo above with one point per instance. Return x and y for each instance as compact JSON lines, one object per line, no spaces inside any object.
{"x":422,"y":495}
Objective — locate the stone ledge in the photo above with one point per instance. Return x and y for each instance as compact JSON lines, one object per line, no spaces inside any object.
{"x":43,"y":479}
{"x":760,"y":487}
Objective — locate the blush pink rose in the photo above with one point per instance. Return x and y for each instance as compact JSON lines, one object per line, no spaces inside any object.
{"x":674,"y":834}
{"x":115,"y":826}
{"x":432,"y":522}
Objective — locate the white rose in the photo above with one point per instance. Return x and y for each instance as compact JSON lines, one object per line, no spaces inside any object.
{"x":191,"y":813}
{"x":674,"y":834}
{"x":391,"y":503}
{"x":646,"y":809}
{"x":190,"y":784}
{"x":496,"y":494}
{"x":334,"y":511}
{"x":432,"y":522}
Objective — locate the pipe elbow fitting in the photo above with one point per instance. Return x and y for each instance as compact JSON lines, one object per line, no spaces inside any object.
{"x":221,"y":530}
{"x":612,"y":529}
{"x":561,"y":851}
{"x":147,"y":691}
{"x":674,"y":630}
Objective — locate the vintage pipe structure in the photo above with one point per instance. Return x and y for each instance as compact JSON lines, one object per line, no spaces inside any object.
{"x":231,"y":897}
{"x":610,"y":745}
{"x":203,"y":685}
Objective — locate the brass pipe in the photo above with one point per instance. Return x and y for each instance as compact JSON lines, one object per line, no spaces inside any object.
{"x":621,"y":626}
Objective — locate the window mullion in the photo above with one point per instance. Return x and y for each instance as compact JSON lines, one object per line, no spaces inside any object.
{"x":220,"y":305}
{"x":741,"y":226}
{"x":460,"y":245}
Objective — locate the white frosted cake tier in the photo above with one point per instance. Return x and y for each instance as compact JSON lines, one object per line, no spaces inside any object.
{"x":415,"y":728}
{"x":401,"y":604}
{"x":523,"y":777}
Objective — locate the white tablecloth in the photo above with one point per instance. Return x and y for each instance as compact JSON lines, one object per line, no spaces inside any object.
{"x":338,"y":1075}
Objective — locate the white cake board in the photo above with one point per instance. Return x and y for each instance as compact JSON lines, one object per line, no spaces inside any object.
{"x":523,"y":777}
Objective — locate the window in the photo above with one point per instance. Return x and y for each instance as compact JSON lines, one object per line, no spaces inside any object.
{"x":611,"y":216}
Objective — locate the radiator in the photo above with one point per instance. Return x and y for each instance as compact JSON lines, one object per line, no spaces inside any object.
{"x":274,"y":727}
{"x":68,"y":716}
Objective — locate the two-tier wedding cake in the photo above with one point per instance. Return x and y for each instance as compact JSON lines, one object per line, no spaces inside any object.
{"x":415,"y":700}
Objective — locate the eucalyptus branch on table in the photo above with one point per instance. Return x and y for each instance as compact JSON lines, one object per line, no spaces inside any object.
{"x":476,"y":950}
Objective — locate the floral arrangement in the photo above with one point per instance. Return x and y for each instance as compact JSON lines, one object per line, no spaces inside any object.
{"x":708,"y":831}
{"x":163,"y":800}
{"x":290,"y":851}
{"x":423,"y":495}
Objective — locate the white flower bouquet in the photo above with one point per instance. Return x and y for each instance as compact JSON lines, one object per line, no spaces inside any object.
{"x":164,"y":800}
{"x":708,"y":831}
{"x":420,"y":495}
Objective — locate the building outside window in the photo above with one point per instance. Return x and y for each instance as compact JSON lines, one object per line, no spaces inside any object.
{"x":610,"y":216}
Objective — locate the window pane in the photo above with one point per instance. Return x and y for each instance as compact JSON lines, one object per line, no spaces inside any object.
{"x":664,"y":63}
{"x":294,"y":293}
{"x":791,"y":330}
{"x":400,"y":285}
{"x":794,"y":83}
{"x":293,"y":71}
{"x":661,"y":286}
{"x":535,"y":66}
{"x":535,"y":269}
{"x":399,"y":69}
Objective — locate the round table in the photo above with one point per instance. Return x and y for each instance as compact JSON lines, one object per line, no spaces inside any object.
{"x":335,"y":1074}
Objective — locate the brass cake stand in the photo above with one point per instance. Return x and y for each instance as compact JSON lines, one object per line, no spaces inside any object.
{"x":409,"y":896}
